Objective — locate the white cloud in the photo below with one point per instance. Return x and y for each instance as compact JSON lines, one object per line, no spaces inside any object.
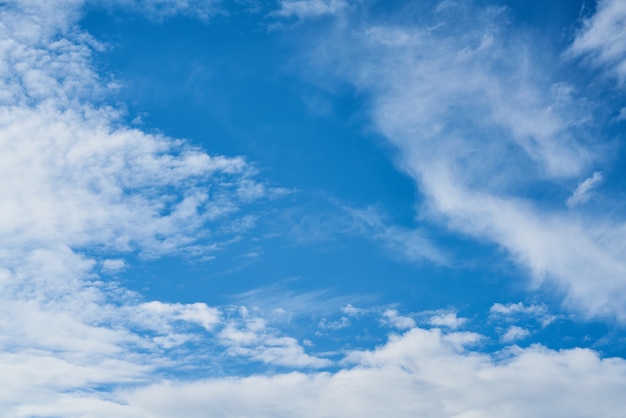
{"x":249,"y":336}
{"x":520,"y":311}
{"x":393,"y":318}
{"x":113,"y":265}
{"x":73,"y":176}
{"x":353,"y":311}
{"x":198,"y":313}
{"x":582,"y":192}
{"x":449,"y":320}
{"x":514,"y":333}
{"x":478,"y":124}
{"x":602,"y":38}
{"x":421,"y":373}
{"x":343,"y":322}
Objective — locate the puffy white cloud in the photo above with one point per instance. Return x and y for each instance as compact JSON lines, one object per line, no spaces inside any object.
{"x":249,"y":336}
{"x":393,"y":318}
{"x":447,"y":319}
{"x":514,"y":333}
{"x":198,"y":313}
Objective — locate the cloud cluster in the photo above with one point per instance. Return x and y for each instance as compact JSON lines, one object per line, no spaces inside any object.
{"x":80,"y":190}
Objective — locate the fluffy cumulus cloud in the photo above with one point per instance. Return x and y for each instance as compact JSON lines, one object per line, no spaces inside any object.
{"x":479,"y":123}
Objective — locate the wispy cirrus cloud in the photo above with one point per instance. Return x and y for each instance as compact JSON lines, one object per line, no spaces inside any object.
{"x":477,"y":124}
{"x":601,"y":40}
{"x":411,"y":244}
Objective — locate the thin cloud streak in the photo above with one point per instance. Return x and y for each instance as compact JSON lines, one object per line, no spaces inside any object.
{"x":583,"y":191}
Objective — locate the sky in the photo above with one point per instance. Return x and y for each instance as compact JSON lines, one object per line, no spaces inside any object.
{"x":312,"y":208}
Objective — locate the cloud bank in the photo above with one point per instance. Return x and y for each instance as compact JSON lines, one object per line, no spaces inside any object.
{"x":420,"y":373}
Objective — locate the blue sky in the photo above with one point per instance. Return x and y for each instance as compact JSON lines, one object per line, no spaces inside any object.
{"x":312,"y":208}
